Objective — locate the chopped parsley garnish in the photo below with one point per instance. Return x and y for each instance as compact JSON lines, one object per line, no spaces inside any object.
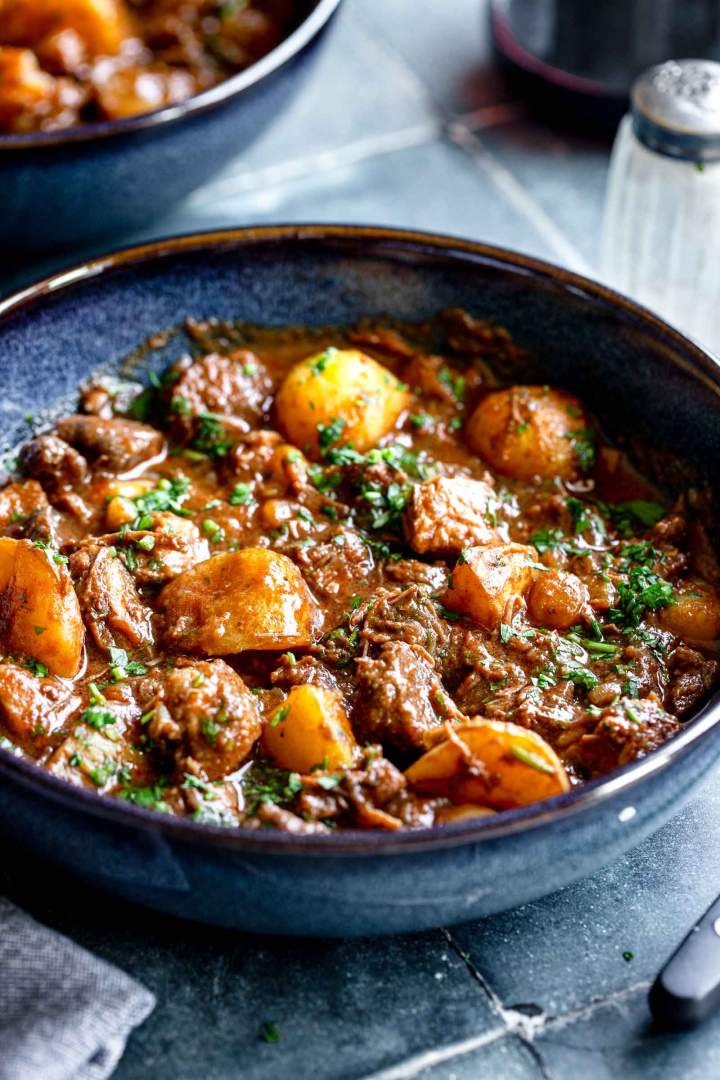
{"x":168,"y":495}
{"x":583,"y":444}
{"x":328,"y":434}
{"x":210,"y":437}
{"x":506,"y":632}
{"x":279,"y":715}
{"x":270,"y":1032}
{"x":181,"y":406}
{"x":36,"y":666}
{"x":643,"y":591}
{"x":265,"y":783}
{"x":533,"y":760}
{"x":240,"y":495}
{"x":421,"y":421}
{"x":454,"y":383}
{"x":321,"y":362}
{"x":97,"y":717}
{"x":582,"y":517}
{"x":121,"y":667}
{"x":580,"y":676}
{"x":209,"y":730}
{"x":628,"y":517}
{"x":150,"y":797}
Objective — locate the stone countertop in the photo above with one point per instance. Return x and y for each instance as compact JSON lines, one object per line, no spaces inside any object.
{"x":405,"y":122}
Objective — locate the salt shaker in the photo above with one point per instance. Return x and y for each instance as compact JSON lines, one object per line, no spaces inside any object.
{"x":661,"y":234}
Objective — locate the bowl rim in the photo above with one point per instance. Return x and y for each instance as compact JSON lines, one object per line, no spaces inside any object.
{"x":386,"y":243}
{"x":309,"y":27}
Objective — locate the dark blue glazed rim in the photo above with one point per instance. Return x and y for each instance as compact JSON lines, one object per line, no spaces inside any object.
{"x":411,"y":246}
{"x":312,"y":24}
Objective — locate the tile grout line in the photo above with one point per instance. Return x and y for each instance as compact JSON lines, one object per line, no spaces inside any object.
{"x":325,"y":160}
{"x":508,"y":185}
{"x":516,"y":1023}
{"x":460,"y":129}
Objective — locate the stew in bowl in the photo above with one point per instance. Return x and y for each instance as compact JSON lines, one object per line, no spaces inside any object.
{"x":355,"y":577}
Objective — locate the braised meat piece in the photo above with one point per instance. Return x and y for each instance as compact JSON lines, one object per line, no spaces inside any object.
{"x":32,"y":707}
{"x":202,"y":713}
{"x":693,"y":675}
{"x":400,"y":696}
{"x":25,"y":510}
{"x":622,"y":732}
{"x":448,"y":513}
{"x":110,"y":445}
{"x":236,"y":386}
{"x":109,"y":600}
{"x":53,"y":463}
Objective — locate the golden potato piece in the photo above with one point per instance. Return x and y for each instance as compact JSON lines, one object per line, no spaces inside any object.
{"x":490,"y":763}
{"x":695,"y":615}
{"x":446,"y":514}
{"x":558,"y":600}
{"x":42,"y":614}
{"x":531,"y":431}
{"x":339,"y":396}
{"x":488,"y":583}
{"x":102,"y":25}
{"x":249,"y":599}
{"x":310,"y":729}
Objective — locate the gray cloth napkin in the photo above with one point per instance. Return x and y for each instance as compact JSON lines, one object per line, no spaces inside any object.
{"x":64,"y":1014}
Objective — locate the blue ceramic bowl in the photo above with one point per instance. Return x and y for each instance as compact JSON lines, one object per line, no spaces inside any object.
{"x":62,"y":187}
{"x":638,"y":374}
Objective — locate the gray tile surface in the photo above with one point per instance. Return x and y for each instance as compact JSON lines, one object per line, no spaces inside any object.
{"x":406,"y":122}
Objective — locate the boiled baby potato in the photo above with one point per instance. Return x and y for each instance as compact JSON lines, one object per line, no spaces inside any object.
{"x":249,"y":599}
{"x":531,"y":431}
{"x":489,"y":582}
{"x":558,"y":600}
{"x":695,"y":614}
{"x":42,"y":613}
{"x":490,"y":763}
{"x":101,"y":25}
{"x":339,"y":396}
{"x":310,"y":729}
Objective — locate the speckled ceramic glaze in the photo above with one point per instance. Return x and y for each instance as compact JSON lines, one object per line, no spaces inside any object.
{"x":635,"y":372}
{"x":101,"y":179}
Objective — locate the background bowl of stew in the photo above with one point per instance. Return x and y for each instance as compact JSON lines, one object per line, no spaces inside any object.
{"x":61,"y":187}
{"x":640,"y":376}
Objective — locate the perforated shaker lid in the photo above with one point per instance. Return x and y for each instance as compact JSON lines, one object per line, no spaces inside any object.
{"x":676,"y":109}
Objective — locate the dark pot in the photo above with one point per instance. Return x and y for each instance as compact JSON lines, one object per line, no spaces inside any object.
{"x":60,"y":188}
{"x":639,"y":375}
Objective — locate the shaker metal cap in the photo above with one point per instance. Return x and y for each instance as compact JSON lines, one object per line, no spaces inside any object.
{"x":676,"y":109}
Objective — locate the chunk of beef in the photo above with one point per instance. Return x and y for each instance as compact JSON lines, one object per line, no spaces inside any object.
{"x":307,"y":671}
{"x":252,"y":457}
{"x":236,"y":386}
{"x":32,"y":708}
{"x":692,"y":675}
{"x":333,"y":568}
{"x":53,"y":463}
{"x":109,"y":600}
{"x":414,"y":572}
{"x":404,"y":614}
{"x":622,"y":732}
{"x":360,"y":797}
{"x":89,"y":758}
{"x":202,"y":713}
{"x":25,"y":511}
{"x":446,"y":514}
{"x":112,"y":445}
{"x":400,"y":696}
{"x":176,"y":546}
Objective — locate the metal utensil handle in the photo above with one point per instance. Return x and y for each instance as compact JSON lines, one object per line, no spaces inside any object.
{"x":688,"y":987}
